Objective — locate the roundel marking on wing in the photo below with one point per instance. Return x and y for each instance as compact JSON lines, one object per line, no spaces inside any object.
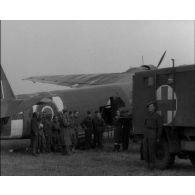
{"x":48,"y":110}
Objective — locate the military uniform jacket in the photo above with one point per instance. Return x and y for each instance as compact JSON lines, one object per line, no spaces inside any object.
{"x":153,"y":124}
{"x":65,"y":130}
{"x":77,"y":126}
{"x":47,"y":128}
{"x":55,"y":128}
{"x":88,"y":123}
{"x":117,"y":129}
{"x":34,"y":126}
{"x":98,"y":124}
{"x":72,"y":125}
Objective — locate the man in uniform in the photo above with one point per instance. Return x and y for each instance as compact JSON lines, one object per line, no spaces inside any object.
{"x":77,"y":126}
{"x":99,"y":126}
{"x":55,"y":133}
{"x":65,"y":132}
{"x":87,"y":124}
{"x":126,"y":121}
{"x":47,"y":127}
{"x":117,"y":131}
{"x":152,"y":134}
{"x":34,"y":133}
{"x":73,"y":129}
{"x":41,"y":136}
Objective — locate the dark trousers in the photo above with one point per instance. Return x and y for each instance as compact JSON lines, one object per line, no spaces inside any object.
{"x":74,"y":139}
{"x":125,"y":138}
{"x":98,"y":135}
{"x":34,"y":142}
{"x":88,"y":136}
{"x":66,"y":149}
{"x":48,"y":143}
{"x":149,"y":150}
{"x":41,"y":143}
{"x":55,"y":141}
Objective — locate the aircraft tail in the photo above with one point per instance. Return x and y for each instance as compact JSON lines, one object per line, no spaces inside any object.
{"x":6,"y":90}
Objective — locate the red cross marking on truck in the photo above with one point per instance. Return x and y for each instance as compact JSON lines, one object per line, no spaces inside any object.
{"x":166,"y":103}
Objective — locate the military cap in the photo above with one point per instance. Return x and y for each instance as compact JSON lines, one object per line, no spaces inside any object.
{"x":151,"y":102}
{"x":64,"y":110}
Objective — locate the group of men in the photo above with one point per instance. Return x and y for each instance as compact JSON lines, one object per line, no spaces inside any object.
{"x":59,"y":133}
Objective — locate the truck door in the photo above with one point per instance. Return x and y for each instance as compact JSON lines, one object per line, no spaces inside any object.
{"x":143,"y":92}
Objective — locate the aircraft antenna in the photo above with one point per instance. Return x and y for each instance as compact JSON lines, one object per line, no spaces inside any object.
{"x":142,"y":60}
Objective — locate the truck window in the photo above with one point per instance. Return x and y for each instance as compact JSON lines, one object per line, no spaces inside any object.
{"x":148,"y":81}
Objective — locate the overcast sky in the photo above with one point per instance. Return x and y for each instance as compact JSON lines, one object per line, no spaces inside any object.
{"x":32,"y":48}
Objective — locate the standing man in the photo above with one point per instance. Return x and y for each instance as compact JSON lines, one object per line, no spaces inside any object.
{"x":55,"y":133}
{"x":99,"y":126}
{"x":77,"y":126}
{"x":87,"y":124}
{"x":34,"y":133}
{"x":65,"y":132}
{"x":41,"y":136}
{"x":152,"y":134}
{"x":126,"y":121}
{"x":72,"y":131}
{"x":47,"y":126}
{"x":117,"y":131}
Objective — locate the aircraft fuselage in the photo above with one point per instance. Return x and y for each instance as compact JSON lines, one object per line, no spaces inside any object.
{"x":93,"y":98}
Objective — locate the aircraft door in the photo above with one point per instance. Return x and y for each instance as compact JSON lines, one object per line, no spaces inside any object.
{"x":109,"y":111}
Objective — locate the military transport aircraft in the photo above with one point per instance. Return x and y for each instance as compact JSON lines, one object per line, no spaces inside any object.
{"x":105,"y":92}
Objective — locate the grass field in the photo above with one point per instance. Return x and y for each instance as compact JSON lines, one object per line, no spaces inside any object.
{"x":91,"y":162}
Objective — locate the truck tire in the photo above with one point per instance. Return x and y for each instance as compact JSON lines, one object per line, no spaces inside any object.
{"x":171,"y":160}
{"x":192,"y":159}
{"x":163,"y":158}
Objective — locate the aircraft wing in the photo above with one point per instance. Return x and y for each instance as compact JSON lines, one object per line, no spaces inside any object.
{"x":13,"y":106}
{"x":80,"y":80}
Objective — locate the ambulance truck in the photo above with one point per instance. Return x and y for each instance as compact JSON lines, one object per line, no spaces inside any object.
{"x":173,"y":90}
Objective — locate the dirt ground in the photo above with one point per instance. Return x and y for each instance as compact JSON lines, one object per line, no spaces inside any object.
{"x":83,"y":162}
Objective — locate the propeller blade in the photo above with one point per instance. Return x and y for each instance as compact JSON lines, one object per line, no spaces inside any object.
{"x":161,"y":59}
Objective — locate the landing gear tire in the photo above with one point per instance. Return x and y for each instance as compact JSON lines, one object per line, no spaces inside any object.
{"x":163,"y":158}
{"x":192,"y":159}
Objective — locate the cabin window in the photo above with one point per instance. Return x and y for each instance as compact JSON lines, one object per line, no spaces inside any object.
{"x":148,"y":81}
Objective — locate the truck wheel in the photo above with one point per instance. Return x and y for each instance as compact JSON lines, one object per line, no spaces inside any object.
{"x":163,"y":158}
{"x":192,"y":159}
{"x":171,"y":160}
